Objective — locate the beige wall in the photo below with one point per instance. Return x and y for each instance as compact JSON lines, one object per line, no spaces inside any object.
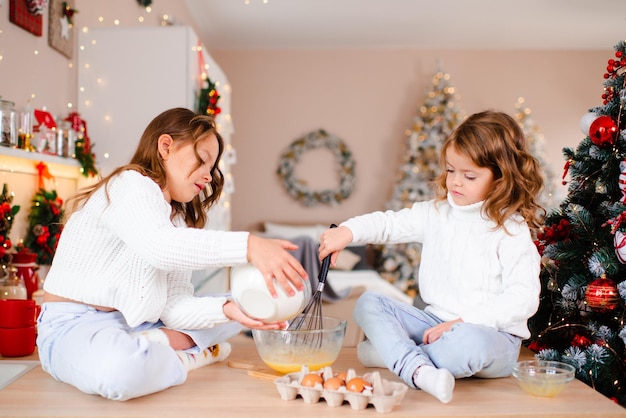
{"x":366,"y":97}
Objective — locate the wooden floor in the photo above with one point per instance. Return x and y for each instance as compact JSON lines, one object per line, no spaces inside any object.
{"x":221,"y":391}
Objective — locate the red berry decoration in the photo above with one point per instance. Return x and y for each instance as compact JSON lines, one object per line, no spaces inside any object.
{"x":602,"y":295}
{"x":581,"y":341}
{"x":602,"y":131}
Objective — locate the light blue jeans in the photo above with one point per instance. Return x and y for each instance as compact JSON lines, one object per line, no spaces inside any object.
{"x":98,"y":353}
{"x":395,"y":329}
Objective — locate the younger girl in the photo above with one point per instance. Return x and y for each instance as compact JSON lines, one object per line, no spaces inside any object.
{"x":479,"y":272}
{"x":119,"y":317}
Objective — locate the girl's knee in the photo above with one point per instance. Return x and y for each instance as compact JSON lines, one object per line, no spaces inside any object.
{"x":137,"y":376}
{"x":366,"y":305}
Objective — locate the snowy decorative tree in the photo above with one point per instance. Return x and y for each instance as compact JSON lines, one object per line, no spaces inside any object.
{"x":536,"y":143}
{"x":437,"y":118}
{"x":582,"y":312}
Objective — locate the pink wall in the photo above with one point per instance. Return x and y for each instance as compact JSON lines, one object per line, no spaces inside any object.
{"x":366,"y":97}
{"x":369,"y":98}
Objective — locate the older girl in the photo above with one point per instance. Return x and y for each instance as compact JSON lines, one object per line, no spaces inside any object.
{"x":119,"y":317}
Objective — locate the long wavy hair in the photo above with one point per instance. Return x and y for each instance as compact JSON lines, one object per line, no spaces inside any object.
{"x":184,"y":126}
{"x":495,"y":140}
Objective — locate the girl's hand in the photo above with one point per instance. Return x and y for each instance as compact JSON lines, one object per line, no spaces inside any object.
{"x":432,"y":334}
{"x":232,"y":311}
{"x":333,"y":240}
{"x":271,"y":257}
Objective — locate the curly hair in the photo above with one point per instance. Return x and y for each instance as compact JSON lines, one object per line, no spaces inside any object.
{"x":494,"y":140}
{"x":184,"y":126}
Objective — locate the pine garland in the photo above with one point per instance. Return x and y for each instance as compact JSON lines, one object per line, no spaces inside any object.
{"x":44,"y":225}
{"x":208,"y":99}
{"x":86,"y":158}
{"x":7,"y":215}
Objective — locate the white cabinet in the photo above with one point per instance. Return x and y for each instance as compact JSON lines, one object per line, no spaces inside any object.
{"x":127,"y":76}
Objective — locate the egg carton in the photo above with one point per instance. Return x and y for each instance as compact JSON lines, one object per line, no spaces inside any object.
{"x":382,"y":394}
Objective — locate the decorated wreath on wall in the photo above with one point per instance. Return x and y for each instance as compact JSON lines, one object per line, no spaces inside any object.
{"x":298,"y":188}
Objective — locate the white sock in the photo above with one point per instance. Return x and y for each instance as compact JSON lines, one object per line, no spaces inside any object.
{"x":156,"y":335}
{"x":368,"y":356}
{"x":437,"y":382}
{"x":210,"y":355}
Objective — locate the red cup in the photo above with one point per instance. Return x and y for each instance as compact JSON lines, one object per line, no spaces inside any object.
{"x":17,"y":313}
{"x":17,"y":342}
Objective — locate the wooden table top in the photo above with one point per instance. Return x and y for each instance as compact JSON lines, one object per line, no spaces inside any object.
{"x":221,"y":391}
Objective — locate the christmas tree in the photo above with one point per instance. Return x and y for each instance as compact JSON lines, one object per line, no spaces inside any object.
{"x":44,"y":225}
{"x":536,"y":144}
{"x":7,"y":216}
{"x":581,"y":316}
{"x":437,"y":118}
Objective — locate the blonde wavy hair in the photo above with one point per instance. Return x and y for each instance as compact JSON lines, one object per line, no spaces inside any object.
{"x":494,"y":140}
{"x":184,"y":126}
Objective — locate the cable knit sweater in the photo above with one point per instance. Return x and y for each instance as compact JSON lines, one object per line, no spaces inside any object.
{"x":128,"y":254}
{"x":468,"y":270}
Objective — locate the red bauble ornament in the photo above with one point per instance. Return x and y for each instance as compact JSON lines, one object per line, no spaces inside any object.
{"x":602,"y":131}
{"x":602,"y":295}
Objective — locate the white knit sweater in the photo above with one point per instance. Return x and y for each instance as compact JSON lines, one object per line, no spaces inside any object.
{"x":468,"y":270}
{"x":127,"y":254}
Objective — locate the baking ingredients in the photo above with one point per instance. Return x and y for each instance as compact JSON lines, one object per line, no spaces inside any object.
{"x":334,"y":383}
{"x":357,"y":384}
{"x":382,"y":394}
{"x":311,"y":379}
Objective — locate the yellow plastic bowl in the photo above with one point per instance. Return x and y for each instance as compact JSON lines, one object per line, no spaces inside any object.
{"x":287,"y":351}
{"x":542,"y":377}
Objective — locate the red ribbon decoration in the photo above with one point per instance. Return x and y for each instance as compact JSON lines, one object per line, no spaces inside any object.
{"x":201,"y":65}
{"x":616,"y":222}
{"x":565,"y":170}
{"x":43,"y":174}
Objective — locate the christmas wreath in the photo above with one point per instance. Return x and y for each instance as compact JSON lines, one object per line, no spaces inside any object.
{"x":298,"y":189}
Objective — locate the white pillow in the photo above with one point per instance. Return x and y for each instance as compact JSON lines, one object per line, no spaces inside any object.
{"x":346,"y":260}
{"x":293,"y":231}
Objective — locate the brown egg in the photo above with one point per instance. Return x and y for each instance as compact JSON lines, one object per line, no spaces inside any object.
{"x":357,"y":384}
{"x":311,"y":379}
{"x":342,"y":375}
{"x":334,"y":383}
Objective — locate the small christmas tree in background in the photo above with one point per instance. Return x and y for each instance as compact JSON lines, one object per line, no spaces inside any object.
{"x":536,"y":144}
{"x":44,"y":225}
{"x":7,"y":216}
{"x":44,"y":220}
{"x":437,"y":118}
{"x":582,"y":312}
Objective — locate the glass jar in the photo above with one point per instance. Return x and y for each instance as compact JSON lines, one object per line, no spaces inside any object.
{"x":8,"y":124}
{"x":13,"y":286}
{"x":25,"y":129}
{"x":66,"y":139}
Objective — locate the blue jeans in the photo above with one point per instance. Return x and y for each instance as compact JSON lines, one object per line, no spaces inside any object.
{"x":98,"y":353}
{"x":395,"y":329}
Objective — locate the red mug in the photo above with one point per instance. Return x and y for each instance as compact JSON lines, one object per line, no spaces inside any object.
{"x":17,"y":313}
{"x":17,"y":342}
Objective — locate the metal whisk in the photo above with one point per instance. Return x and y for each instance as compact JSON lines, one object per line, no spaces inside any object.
{"x":311,"y":318}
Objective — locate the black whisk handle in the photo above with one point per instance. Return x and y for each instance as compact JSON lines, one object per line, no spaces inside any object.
{"x":325,"y":265}
{"x":324,"y":269}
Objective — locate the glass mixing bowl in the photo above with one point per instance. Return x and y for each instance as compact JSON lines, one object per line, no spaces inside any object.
{"x":542,"y":377}
{"x":287,"y":351}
